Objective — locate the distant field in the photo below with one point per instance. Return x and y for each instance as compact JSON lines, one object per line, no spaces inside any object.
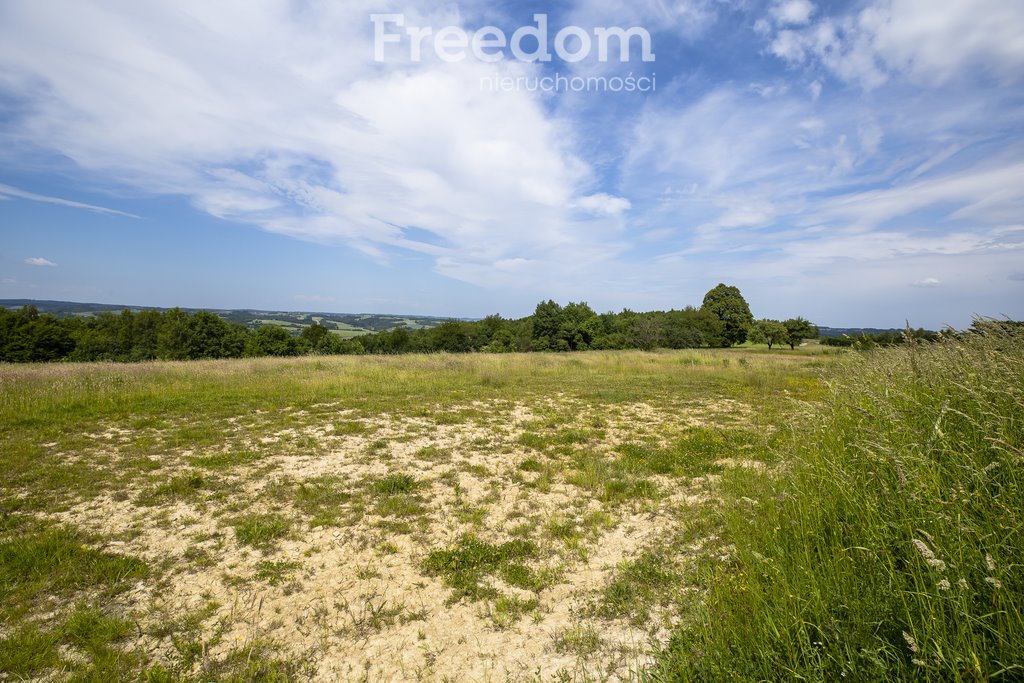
{"x":469,"y":517}
{"x":346,"y":325}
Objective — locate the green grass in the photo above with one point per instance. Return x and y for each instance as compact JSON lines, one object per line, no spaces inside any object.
{"x":261,"y":530}
{"x":890,"y":545}
{"x":466,"y":567}
{"x":150,"y":437}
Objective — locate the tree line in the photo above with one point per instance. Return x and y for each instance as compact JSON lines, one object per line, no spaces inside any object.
{"x":723,"y":320}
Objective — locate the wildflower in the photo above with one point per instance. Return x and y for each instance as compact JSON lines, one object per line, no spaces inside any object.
{"x":963,"y":584}
{"x":996,"y":583}
{"x":911,"y":643}
{"x":928,"y":555}
{"x":944,"y":585}
{"x":918,"y":662}
{"x":990,"y":563}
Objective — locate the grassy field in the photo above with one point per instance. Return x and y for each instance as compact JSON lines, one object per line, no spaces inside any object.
{"x":595,"y":516}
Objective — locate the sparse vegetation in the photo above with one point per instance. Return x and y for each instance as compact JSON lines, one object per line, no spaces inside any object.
{"x":259,"y":518}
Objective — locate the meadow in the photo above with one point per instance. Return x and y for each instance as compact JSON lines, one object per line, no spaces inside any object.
{"x":685,"y":515}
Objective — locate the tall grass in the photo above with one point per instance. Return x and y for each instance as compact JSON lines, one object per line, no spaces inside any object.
{"x":890,"y":547}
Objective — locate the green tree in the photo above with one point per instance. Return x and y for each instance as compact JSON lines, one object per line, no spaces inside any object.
{"x":270,"y":340}
{"x":799,"y":329}
{"x":547,"y":325}
{"x":729,"y":306}
{"x":770,"y":332}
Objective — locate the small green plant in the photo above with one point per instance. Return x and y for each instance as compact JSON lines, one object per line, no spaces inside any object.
{"x":276,"y":572}
{"x":261,"y":530}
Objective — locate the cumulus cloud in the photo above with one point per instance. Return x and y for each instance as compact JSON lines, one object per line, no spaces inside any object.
{"x":928,"y":282}
{"x":792,"y":12}
{"x":268,"y":114}
{"x":38,"y":261}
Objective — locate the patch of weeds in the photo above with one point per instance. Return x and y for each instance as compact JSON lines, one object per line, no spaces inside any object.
{"x":388,"y":548}
{"x":509,"y":609}
{"x":472,"y":515}
{"x":226,"y":460}
{"x":186,"y":487}
{"x":465,"y":566}
{"x":479,"y":471}
{"x":198,"y":557}
{"x":397,"y":497}
{"x":638,"y":585}
{"x":57,"y":561}
{"x":395,"y":484}
{"x":257,"y":662}
{"x":350,"y":428}
{"x":275,"y":572}
{"x":434,"y":454}
{"x":608,"y":480}
{"x":323,"y":499}
{"x":366,"y":573}
{"x":28,"y":651}
{"x":92,"y":630}
{"x":581,"y":640}
{"x":378,"y":447}
{"x":261,"y":530}
{"x":530,"y":465}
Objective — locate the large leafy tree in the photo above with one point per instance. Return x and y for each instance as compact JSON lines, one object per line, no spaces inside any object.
{"x":728,"y":305}
{"x":547,"y":325}
{"x":799,"y":329}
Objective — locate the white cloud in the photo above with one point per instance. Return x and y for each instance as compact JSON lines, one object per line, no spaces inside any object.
{"x":604,"y":204}
{"x":925,"y":41}
{"x":928,"y":282}
{"x":9,"y":281}
{"x":265,"y":114}
{"x":7,"y":192}
{"x":793,"y":12}
{"x":38,"y":261}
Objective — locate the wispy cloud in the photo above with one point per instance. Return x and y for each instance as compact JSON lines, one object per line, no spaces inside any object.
{"x":929,"y":282}
{"x":39,"y":261}
{"x":6,"y":191}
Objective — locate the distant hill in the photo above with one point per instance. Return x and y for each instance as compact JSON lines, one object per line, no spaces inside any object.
{"x":828,"y":332}
{"x":343,"y":324}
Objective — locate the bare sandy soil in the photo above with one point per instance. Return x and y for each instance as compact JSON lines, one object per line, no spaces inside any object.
{"x":349,"y":594}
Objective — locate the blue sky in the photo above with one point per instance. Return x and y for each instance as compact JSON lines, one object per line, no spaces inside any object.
{"x":857,"y":163}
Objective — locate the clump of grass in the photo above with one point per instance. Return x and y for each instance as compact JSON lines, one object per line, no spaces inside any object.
{"x":466,"y":566}
{"x":261,"y":530}
{"x":581,"y":640}
{"x":275,"y":572}
{"x":890,"y":549}
{"x":58,"y":561}
{"x":638,"y":585}
{"x":395,"y":484}
{"x":612,"y":481}
{"x":189,"y":486}
{"x":326,"y":500}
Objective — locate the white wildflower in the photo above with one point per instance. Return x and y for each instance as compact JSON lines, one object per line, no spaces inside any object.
{"x":944,"y":585}
{"x":990,"y":563}
{"x":928,"y":555}
{"x":994,"y":581}
{"x":918,"y":662}
{"x":911,"y":643}
{"x":963,"y":584}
